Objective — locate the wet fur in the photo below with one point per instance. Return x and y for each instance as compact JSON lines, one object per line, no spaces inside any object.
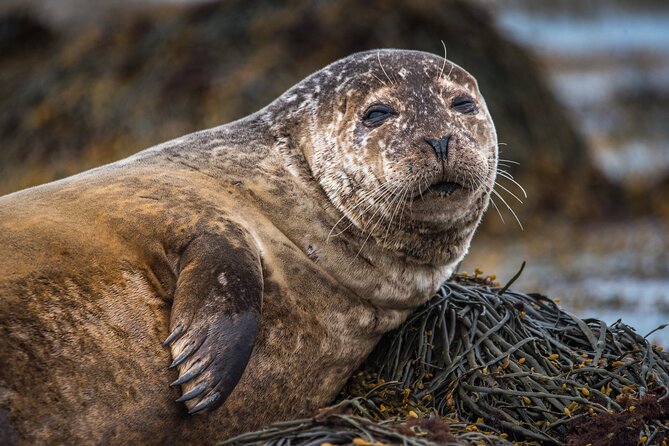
{"x":90,"y":265}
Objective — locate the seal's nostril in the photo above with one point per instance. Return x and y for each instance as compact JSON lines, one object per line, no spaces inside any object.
{"x":440,"y":146}
{"x":444,"y":140}
{"x":434,"y":144}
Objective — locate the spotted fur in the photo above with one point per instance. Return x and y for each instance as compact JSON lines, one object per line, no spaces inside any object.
{"x":269,"y":255}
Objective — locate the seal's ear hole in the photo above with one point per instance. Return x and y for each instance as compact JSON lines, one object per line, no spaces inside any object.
{"x":464,"y":104}
{"x":377,"y":114}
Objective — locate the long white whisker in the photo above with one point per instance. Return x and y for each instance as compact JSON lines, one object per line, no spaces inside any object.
{"x":427,"y":185}
{"x":379,"y":79}
{"x":508,"y":207}
{"x":508,"y":177}
{"x":378,"y":57}
{"x":404,"y":200}
{"x":371,"y":231}
{"x":492,"y":200}
{"x":509,"y":161}
{"x":449,"y":72}
{"x":509,"y":192}
{"x":383,"y":197}
{"x":391,"y":206}
{"x":363,"y":200}
{"x":399,"y":202}
{"x":443,"y":66}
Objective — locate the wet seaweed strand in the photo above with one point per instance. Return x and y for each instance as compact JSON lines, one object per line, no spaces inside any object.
{"x":496,"y":365}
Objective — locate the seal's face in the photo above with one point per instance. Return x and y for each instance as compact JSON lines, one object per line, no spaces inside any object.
{"x":408,"y":148}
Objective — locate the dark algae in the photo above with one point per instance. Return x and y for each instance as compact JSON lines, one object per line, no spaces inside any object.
{"x":481,"y":364}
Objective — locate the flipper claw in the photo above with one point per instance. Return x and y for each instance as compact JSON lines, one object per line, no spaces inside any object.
{"x":194,"y":392}
{"x":183,"y":355}
{"x":190,"y":374}
{"x":205,"y":403}
{"x":174,"y":335}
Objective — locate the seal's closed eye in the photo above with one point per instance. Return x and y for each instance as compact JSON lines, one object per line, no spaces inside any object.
{"x":464,"y":104}
{"x":376,"y":114}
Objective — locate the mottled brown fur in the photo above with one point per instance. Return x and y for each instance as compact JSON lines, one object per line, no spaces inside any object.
{"x":97,"y":269}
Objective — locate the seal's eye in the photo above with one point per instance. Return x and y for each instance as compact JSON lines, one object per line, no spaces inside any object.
{"x":376,"y":114}
{"x":464,"y":104}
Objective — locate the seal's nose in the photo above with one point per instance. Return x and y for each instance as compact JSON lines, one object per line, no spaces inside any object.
{"x":440,"y":146}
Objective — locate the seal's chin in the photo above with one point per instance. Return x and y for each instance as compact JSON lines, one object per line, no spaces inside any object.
{"x":446,"y":187}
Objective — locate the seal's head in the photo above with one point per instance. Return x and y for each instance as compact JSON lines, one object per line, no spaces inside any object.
{"x":403,"y":145}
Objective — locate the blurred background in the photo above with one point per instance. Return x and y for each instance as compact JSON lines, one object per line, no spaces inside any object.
{"x":579,"y":92}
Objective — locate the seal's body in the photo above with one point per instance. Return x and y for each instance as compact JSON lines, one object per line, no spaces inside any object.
{"x":267,"y":256}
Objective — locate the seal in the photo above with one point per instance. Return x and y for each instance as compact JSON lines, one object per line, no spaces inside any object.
{"x":267,"y":256}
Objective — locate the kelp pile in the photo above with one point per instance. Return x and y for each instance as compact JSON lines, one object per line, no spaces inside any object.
{"x":481,"y":364}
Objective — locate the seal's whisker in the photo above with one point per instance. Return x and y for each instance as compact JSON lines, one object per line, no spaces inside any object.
{"x":378,"y":57}
{"x":404,"y":202}
{"x":386,"y":193}
{"x":405,"y":198}
{"x":363,"y":245}
{"x":443,"y":66}
{"x":379,"y":195}
{"x":509,"y":161}
{"x":418,"y":184}
{"x":370,"y":232}
{"x":397,"y":206}
{"x":379,"y":79}
{"x":501,"y":170}
{"x":508,"y":207}
{"x":364,"y":199}
{"x":427,"y":186}
{"x":492,"y":200}
{"x":509,"y":177}
{"x":469,"y":181}
{"x":514,"y":183}
{"x":394,"y":205}
{"x":448,"y":77}
{"x":509,"y":192}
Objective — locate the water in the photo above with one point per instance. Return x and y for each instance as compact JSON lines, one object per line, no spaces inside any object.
{"x":610,"y":272}
{"x":608,"y":63}
{"x":609,"y":30}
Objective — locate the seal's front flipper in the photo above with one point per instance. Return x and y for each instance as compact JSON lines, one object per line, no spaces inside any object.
{"x":215,"y":316}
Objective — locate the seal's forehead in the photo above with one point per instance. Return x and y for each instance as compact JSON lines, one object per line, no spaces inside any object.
{"x":397,"y":66}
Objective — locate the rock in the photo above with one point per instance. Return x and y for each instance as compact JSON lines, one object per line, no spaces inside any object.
{"x":113,"y":88}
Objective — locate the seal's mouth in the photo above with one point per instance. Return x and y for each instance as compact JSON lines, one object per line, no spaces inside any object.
{"x":446,"y":187}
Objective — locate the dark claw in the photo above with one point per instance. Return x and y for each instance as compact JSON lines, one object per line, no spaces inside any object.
{"x":194,"y":392}
{"x":205,"y":403}
{"x":174,"y":335}
{"x":183,"y":356}
{"x":190,"y":374}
